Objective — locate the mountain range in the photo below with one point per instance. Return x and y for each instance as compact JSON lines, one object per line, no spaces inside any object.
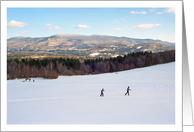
{"x":82,"y":45}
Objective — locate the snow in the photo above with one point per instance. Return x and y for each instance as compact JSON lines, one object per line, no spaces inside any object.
{"x":94,"y":54}
{"x":115,"y":55}
{"x":139,"y":47}
{"x":76,"y":100}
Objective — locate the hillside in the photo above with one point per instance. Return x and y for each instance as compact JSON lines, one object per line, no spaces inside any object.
{"x":76,"y":100}
{"x":81,"y":45}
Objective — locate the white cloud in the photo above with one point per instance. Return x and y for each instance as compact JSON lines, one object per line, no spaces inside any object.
{"x":56,"y":27}
{"x":50,"y":27}
{"x":82,"y":26}
{"x":16,"y":24}
{"x":170,"y":10}
{"x":48,"y":24}
{"x":25,"y":32}
{"x":144,"y":12}
{"x":137,"y":12}
{"x":157,"y":24}
{"x":133,"y":12}
{"x":158,"y":13}
{"x":116,"y":29}
{"x":146,"y":26}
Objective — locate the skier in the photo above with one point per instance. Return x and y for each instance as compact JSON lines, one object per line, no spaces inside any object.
{"x":127,"y":91}
{"x":102,"y":94}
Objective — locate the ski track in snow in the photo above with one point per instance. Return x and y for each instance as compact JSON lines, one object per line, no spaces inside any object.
{"x":46,"y":98}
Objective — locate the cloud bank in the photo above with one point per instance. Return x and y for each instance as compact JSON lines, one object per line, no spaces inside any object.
{"x":146,"y":26}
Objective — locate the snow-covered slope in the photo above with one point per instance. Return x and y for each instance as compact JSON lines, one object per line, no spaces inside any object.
{"x":76,"y":100}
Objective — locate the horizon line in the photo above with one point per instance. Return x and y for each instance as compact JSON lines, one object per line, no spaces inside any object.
{"x":87,"y":35}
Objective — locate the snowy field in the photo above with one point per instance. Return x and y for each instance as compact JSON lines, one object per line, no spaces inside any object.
{"x":76,"y":100}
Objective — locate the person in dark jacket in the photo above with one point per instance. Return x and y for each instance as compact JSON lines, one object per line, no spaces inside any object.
{"x":102,"y":94}
{"x":128,"y":91}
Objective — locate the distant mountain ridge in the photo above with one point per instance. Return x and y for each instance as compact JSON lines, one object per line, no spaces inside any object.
{"x":83,"y":45}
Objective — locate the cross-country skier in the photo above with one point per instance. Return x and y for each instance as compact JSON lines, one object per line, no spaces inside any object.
{"x":102,"y":94}
{"x":127,"y":91}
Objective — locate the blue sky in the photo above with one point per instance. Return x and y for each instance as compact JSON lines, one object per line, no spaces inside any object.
{"x":152,"y":23}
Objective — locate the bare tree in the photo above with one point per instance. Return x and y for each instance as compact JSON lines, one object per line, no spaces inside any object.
{"x":12,"y":69}
{"x":84,"y":69}
{"x":61,"y":69}
{"x":140,"y":62}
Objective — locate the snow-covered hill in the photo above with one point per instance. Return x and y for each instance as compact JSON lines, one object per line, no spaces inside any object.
{"x":76,"y":100}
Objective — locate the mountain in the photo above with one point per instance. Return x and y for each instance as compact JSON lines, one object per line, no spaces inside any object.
{"x":82,"y":45}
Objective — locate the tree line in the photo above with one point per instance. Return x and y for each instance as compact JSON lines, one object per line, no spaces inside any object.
{"x":53,"y":67}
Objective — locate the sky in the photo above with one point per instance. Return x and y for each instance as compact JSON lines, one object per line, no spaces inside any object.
{"x":142,"y":23}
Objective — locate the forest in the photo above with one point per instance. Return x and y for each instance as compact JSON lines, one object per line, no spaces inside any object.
{"x":51,"y":68}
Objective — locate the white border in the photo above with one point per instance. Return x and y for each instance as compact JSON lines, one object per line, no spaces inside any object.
{"x":178,"y":65}
{"x":92,"y":4}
